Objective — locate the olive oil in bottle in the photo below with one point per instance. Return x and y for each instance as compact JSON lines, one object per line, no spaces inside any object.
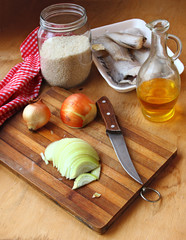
{"x":158,"y":81}
{"x":158,"y":98}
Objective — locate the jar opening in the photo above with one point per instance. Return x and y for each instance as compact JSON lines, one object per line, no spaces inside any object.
{"x":63,"y":17}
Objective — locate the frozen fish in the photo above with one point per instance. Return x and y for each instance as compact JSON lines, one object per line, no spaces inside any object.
{"x":138,"y":32}
{"x":117,"y":52}
{"x":140,"y":55}
{"x":121,"y":54}
{"x":121,"y":71}
{"x":98,"y":47}
{"x":127,"y":40}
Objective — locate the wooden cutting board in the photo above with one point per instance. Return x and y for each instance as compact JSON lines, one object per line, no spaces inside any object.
{"x":20,"y":150}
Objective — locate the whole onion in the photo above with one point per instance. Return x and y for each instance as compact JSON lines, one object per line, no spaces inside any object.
{"x":78,"y":110}
{"x":36,"y":115}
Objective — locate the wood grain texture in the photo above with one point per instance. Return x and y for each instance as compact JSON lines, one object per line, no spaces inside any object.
{"x":26,"y":213}
{"x":20,"y":150}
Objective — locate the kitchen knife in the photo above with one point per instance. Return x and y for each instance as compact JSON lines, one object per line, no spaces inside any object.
{"x":116,"y":137}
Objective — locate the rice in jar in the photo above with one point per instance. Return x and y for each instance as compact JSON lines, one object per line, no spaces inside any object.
{"x":64,"y":45}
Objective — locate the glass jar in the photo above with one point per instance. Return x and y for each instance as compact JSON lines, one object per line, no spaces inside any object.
{"x":64,"y":45}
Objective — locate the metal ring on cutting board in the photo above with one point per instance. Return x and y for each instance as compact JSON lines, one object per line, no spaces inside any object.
{"x":145,"y":189}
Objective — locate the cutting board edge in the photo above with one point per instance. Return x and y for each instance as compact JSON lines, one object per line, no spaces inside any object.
{"x":105,"y":227}
{"x":137,"y":194}
{"x":42,"y":191}
{"x":102,"y":229}
{"x":163,"y":166}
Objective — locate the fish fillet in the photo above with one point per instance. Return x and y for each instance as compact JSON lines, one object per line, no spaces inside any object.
{"x":127,"y":40}
{"x":122,"y":71}
{"x":117,"y":52}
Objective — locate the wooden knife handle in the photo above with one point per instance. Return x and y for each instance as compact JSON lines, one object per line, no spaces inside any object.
{"x":108,"y":115}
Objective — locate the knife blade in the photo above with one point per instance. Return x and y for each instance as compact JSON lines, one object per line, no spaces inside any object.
{"x":116,"y":137}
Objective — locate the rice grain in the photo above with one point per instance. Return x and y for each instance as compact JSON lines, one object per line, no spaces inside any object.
{"x":66,"y":60}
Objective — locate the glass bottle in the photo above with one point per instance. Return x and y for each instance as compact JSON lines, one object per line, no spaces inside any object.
{"x":158,"y":81}
{"x":64,"y":42}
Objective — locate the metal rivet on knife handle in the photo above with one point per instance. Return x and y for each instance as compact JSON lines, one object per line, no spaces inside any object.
{"x":108,"y":115}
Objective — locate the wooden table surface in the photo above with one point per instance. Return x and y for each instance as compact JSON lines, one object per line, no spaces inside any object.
{"x":25,"y":213}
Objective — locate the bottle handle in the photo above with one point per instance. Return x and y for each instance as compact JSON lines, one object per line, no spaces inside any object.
{"x":179,"y":46}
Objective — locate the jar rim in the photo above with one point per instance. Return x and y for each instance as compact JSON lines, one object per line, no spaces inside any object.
{"x":61,"y":8}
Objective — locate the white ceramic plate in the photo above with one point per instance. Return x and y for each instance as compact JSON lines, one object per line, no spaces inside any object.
{"x":116,"y":27}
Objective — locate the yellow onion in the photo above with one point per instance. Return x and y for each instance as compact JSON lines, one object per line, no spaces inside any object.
{"x":36,"y":115}
{"x":78,"y":110}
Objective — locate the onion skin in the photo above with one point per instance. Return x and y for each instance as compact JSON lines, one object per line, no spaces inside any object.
{"x":36,"y":115}
{"x":78,"y":110}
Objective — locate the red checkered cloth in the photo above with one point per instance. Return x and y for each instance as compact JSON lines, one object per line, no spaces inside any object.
{"x":23,"y":81}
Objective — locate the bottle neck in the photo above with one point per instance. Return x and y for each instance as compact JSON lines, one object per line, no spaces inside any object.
{"x":158,"y":44}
